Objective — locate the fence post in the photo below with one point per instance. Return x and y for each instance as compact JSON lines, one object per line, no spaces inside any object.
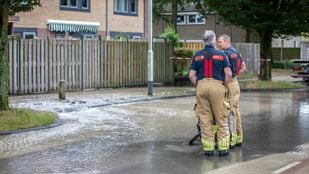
{"x":82,"y":64}
{"x":48,"y":68}
{"x":61,"y":88}
{"x":101,"y":62}
{"x":19,"y":66}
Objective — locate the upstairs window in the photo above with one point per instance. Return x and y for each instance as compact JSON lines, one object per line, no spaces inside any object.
{"x":75,"y":5}
{"x":181,"y":20}
{"x":196,"y":19}
{"x":125,"y":7}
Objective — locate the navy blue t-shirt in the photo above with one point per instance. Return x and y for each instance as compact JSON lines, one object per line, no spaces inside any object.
{"x":209,"y":63}
{"x":235,"y":60}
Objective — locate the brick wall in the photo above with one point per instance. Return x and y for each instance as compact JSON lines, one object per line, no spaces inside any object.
{"x":124,"y":23}
{"x":50,"y":10}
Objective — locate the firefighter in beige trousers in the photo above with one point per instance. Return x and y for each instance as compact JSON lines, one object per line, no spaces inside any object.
{"x":210,"y":72}
{"x":237,"y":66}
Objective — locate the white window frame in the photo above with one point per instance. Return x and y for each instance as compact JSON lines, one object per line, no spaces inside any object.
{"x":69,"y":4}
{"x":121,"y":6}
{"x":124,"y":6}
{"x":196,"y":22}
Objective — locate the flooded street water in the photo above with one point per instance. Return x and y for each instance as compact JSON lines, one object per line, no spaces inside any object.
{"x":152,"y":136}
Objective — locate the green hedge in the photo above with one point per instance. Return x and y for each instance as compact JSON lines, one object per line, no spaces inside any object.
{"x":183,"y":52}
{"x":181,"y":66}
{"x":287,"y":53}
{"x":283,"y":64}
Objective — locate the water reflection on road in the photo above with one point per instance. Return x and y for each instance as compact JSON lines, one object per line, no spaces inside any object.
{"x":152,"y":137}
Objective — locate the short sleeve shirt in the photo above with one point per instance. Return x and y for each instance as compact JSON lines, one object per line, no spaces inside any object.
{"x":200,"y":63}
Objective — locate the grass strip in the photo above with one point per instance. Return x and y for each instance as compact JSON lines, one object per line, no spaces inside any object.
{"x":16,"y":119}
{"x":258,"y":84}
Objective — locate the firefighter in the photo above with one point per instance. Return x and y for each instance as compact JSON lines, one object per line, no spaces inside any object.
{"x":210,"y":72}
{"x":237,"y":66}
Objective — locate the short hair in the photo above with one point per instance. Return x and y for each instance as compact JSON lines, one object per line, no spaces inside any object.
{"x":209,"y":37}
{"x":225,"y":37}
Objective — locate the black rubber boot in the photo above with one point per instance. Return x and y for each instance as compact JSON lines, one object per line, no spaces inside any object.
{"x":232,"y":147}
{"x":224,"y":152}
{"x":238,"y":144}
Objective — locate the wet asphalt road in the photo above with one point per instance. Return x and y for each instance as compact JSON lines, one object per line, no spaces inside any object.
{"x":152,"y":137}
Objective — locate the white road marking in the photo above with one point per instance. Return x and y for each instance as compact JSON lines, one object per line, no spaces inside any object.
{"x":286,"y":167}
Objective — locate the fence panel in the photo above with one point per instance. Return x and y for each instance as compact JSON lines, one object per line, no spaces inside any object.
{"x":249,"y":51}
{"x":37,"y":65}
{"x":304,"y":50}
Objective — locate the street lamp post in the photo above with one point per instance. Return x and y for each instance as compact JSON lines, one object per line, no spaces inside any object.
{"x":150,"y":52}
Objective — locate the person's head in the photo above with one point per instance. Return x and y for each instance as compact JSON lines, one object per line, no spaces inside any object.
{"x":224,"y":42}
{"x":209,"y":38}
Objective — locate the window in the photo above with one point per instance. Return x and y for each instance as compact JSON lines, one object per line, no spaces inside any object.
{"x":25,"y":33}
{"x":60,"y":34}
{"x":75,"y":5}
{"x":125,"y":35}
{"x":181,"y":19}
{"x":29,"y":35}
{"x":125,"y":7}
{"x":85,"y":4}
{"x":196,"y":19}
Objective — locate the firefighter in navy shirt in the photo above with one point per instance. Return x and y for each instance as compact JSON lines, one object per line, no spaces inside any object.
{"x":237,"y":65}
{"x":210,"y":72}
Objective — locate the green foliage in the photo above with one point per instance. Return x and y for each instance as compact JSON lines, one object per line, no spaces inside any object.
{"x":246,"y":76}
{"x":269,"y":85}
{"x":171,"y":35}
{"x":283,"y":64}
{"x":16,"y":119}
{"x":266,"y":18}
{"x":183,"y":52}
{"x":9,"y":7}
{"x":22,"y":5}
{"x":159,"y":7}
{"x":281,"y":17}
{"x":181,"y":68}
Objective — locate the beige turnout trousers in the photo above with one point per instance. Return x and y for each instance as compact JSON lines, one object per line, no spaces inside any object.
{"x":210,"y":95}
{"x":234,"y":116}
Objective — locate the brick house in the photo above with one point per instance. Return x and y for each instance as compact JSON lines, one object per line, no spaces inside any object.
{"x":82,"y":18}
{"x":191,"y":25}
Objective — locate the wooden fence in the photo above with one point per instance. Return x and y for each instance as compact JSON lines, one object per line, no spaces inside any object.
{"x":37,"y":65}
{"x":249,"y":51}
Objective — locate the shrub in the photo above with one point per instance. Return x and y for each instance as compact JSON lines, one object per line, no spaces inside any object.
{"x":181,"y":66}
{"x":283,"y":64}
{"x":183,"y":52}
{"x":171,"y":35}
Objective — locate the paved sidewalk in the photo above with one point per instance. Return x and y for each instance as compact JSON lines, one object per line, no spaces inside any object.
{"x":97,"y":98}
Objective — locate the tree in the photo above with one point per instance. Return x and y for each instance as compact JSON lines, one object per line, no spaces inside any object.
{"x":268,"y":18}
{"x":8,"y":7}
{"x":160,"y":7}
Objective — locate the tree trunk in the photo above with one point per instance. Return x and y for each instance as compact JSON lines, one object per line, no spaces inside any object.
{"x":266,"y":56}
{"x":248,"y":33}
{"x":174,"y":14}
{"x":4,"y":60}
